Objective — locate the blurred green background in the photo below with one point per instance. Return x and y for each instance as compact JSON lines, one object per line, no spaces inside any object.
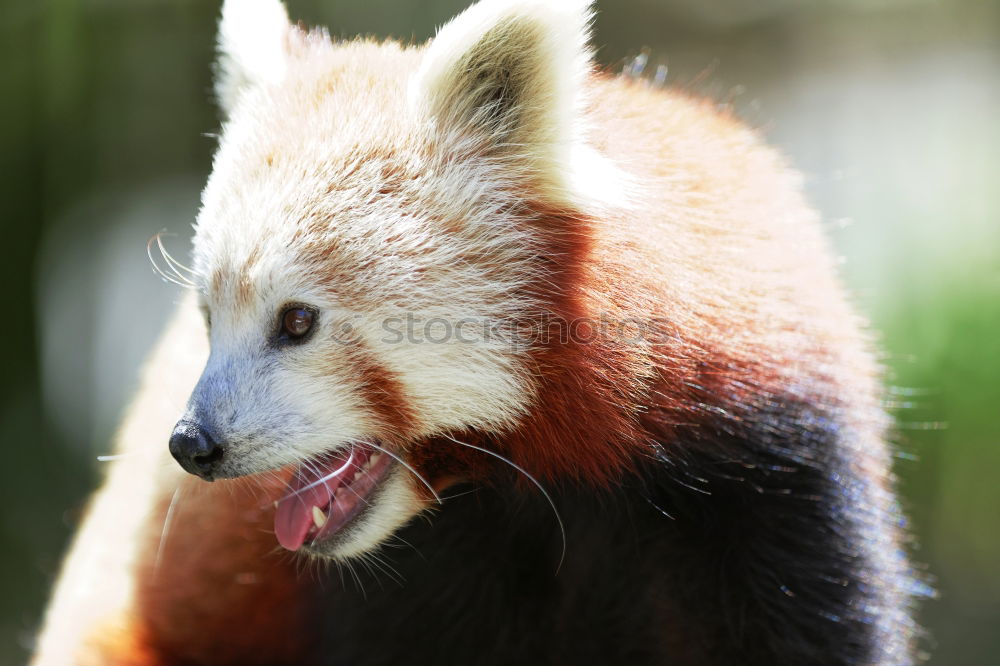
{"x":890,"y":107}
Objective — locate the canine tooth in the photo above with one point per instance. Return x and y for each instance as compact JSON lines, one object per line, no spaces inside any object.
{"x":319,"y":518}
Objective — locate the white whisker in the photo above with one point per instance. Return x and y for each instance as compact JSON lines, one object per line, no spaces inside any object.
{"x":165,"y":530}
{"x":174,"y":276}
{"x":320,"y":481}
{"x":541,"y":488}
{"x":404,"y":464}
{"x":173,"y":263}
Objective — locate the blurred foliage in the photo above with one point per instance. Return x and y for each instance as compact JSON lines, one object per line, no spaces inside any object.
{"x":889,"y":106}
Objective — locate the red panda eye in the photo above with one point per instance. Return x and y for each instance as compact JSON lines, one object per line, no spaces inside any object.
{"x":296,"y":322}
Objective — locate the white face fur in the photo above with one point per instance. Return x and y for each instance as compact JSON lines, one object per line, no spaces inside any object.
{"x":374,"y":184}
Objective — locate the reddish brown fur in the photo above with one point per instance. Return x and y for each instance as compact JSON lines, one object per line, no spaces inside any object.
{"x":122,"y":642}
{"x":384,"y":396}
{"x":729,"y":325}
{"x":209,"y":588}
{"x":244,"y":280}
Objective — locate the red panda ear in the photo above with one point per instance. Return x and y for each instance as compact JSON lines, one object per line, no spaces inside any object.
{"x":509,"y":76}
{"x":253,"y":48}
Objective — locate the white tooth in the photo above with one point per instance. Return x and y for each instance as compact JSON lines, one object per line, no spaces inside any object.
{"x":319,"y":517}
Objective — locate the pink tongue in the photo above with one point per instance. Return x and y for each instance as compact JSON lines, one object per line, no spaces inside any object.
{"x":308,"y":488}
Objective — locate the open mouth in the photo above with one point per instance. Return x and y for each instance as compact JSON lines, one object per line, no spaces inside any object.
{"x":327,"y":493}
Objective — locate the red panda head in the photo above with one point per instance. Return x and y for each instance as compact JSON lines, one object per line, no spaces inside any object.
{"x":380,"y":224}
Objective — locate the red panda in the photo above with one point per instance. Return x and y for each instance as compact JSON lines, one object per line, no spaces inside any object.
{"x":537,"y":364}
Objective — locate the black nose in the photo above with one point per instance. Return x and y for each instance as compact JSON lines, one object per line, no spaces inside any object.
{"x":195,"y":450}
